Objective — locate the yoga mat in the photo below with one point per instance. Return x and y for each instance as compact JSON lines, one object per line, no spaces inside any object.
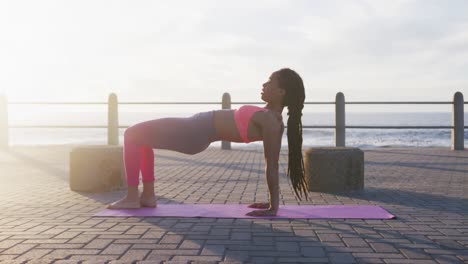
{"x":239,"y":211}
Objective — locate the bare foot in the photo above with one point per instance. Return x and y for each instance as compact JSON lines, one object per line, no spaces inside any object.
{"x":260,"y":205}
{"x":124,"y":203}
{"x":262,"y":213}
{"x":148,"y":201}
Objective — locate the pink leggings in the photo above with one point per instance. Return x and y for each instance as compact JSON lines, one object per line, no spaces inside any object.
{"x":189,"y":135}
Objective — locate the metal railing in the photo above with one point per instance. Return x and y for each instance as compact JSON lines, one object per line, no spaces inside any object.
{"x":457,"y":128}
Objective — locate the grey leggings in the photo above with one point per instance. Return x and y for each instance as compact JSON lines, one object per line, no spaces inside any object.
{"x":187,"y":135}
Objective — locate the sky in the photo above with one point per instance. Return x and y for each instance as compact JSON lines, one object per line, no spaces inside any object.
{"x":197,"y":50}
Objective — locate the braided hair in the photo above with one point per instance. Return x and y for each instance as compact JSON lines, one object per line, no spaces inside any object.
{"x":294,"y":98}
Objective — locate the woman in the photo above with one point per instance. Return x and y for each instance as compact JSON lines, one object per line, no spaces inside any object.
{"x":246,"y":124}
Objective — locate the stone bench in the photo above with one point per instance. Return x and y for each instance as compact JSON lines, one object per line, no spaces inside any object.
{"x":97,"y":168}
{"x":334,"y":169}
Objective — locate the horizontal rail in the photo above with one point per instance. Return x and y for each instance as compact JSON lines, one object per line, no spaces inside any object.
{"x":331,"y":127}
{"x":57,"y":103}
{"x":51,"y":126}
{"x":145,"y":103}
{"x":399,"y":102}
{"x":386,"y":127}
{"x":208,"y":103}
{"x":401,"y":127}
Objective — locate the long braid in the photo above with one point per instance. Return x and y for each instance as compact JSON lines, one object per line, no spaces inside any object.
{"x":294,"y":100}
{"x":296,"y":162}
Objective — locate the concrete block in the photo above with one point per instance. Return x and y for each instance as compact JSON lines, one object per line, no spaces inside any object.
{"x":334,"y":169}
{"x":97,"y":168}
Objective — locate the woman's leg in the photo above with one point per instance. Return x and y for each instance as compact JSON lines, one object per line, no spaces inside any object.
{"x":185,"y":135}
{"x":132,"y":161}
{"x":148,"y":198}
{"x":132,"y":157}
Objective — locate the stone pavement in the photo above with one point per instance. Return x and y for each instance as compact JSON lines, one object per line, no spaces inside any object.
{"x":42,"y":221}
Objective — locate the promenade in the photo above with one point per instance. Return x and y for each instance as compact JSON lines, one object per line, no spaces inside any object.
{"x":42,"y":221}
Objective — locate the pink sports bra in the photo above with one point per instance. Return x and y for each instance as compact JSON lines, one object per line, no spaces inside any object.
{"x":242,"y":118}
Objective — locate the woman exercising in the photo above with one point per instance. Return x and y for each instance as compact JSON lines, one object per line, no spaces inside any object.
{"x":246,"y":124}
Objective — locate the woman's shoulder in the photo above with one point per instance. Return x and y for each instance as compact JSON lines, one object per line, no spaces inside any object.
{"x":269,"y":117}
{"x":273,"y":113}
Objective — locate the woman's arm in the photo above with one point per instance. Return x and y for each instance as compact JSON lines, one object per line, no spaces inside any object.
{"x":272,"y":133}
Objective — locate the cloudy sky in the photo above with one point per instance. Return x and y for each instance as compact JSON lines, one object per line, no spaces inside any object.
{"x":196,"y":50}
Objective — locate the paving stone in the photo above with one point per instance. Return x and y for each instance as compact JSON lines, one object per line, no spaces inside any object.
{"x":196,"y":258}
{"x":115,"y":249}
{"x":313,"y":252}
{"x":34,"y":254}
{"x":182,"y":252}
{"x":236,"y":256}
{"x":60,"y":246}
{"x":18,"y":249}
{"x":251,"y":248}
{"x":67,"y":234}
{"x":262,"y":241}
{"x":369,"y":260}
{"x":378,"y":255}
{"x":341,"y":249}
{"x":449,"y":244}
{"x":263,"y":260}
{"x":447,"y":259}
{"x":287,"y":246}
{"x":355,"y":242}
{"x":134,"y":254}
{"x":241,"y":236}
{"x":9,"y":243}
{"x":4,"y":257}
{"x":156,"y":258}
{"x":217,"y":250}
{"x":329,"y":237}
{"x":120,"y":262}
{"x":40,"y":261}
{"x":201,"y":228}
{"x":341,"y":258}
{"x":415,"y":254}
{"x":176,"y":262}
{"x":67,"y":261}
{"x":94,"y":259}
{"x":189,"y":244}
{"x":82,"y":238}
{"x":98,"y":243}
{"x":383,"y":248}
{"x":408,"y":261}
{"x":220,"y":232}
{"x":171,"y":239}
{"x":65,"y":253}
{"x":45,"y":241}
{"x":135,"y":241}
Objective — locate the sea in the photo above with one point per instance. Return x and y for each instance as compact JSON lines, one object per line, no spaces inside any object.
{"x":130,"y":115}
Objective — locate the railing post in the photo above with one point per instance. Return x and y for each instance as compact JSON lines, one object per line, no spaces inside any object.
{"x":4,"y":127}
{"x":340,"y":120}
{"x":458,"y":129}
{"x":226,"y":104}
{"x":112,"y":120}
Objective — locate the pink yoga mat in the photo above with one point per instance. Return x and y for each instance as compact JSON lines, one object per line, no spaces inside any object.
{"x":239,"y":211}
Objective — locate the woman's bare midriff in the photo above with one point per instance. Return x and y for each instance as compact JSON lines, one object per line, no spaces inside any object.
{"x":226,"y":128}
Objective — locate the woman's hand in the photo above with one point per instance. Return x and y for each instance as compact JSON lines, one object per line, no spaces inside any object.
{"x":260,"y":205}
{"x":267,"y":212}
